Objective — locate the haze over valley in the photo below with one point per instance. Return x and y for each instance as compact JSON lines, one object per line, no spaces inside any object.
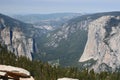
{"x":60,"y":40}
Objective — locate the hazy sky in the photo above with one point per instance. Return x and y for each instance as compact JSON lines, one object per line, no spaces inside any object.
{"x":55,"y":6}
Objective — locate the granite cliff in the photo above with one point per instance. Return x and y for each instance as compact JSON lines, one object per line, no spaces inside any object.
{"x":103,"y":44}
{"x":17,"y":36}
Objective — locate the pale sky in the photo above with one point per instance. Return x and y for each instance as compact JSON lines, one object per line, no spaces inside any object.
{"x":56,"y":6}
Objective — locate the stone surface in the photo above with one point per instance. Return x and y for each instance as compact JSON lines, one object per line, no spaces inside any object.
{"x":16,"y":72}
{"x":13,"y":69}
{"x":17,"y":37}
{"x":31,"y":78}
{"x":17,"y":42}
{"x":103,"y":43}
{"x":67,"y":79}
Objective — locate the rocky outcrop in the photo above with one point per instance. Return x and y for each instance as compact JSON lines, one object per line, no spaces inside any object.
{"x":17,"y":37}
{"x":31,"y":78}
{"x":103,"y":44}
{"x":67,"y":79}
{"x":15,"y":73}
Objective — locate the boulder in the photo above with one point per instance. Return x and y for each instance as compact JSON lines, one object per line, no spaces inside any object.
{"x":11,"y":72}
{"x":67,"y":79}
{"x":31,"y":78}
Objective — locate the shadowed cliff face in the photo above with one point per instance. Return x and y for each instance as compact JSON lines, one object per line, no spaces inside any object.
{"x":103,"y":44}
{"x":14,"y":35}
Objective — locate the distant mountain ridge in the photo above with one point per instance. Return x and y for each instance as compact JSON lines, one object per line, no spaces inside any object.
{"x":53,"y":20}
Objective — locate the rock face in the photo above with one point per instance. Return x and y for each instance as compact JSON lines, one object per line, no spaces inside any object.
{"x":17,"y":42}
{"x":67,"y":79}
{"x":103,"y":44}
{"x":17,"y":36}
{"x":14,"y":73}
{"x":31,"y":78}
